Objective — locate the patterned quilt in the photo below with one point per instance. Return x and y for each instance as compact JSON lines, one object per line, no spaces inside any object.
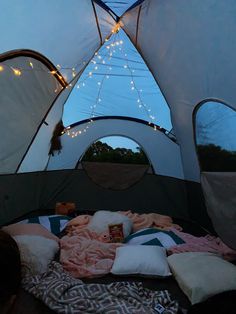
{"x":65,"y":294}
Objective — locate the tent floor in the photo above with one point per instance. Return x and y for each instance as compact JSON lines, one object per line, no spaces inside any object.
{"x":27,"y":303}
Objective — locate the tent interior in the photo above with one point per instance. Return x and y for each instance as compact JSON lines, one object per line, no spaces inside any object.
{"x":77,"y":76}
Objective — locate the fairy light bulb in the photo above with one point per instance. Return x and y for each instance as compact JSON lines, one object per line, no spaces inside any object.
{"x":31,"y":64}
{"x":17,"y":72}
{"x":116,"y":28}
{"x":1,"y":68}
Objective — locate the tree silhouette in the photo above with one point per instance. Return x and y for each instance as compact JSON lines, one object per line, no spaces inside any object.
{"x":102,"y":152}
{"x":215,"y":158}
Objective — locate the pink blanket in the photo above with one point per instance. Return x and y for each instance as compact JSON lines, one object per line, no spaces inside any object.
{"x":140,"y":221}
{"x":207,"y":243}
{"x":85,"y":253}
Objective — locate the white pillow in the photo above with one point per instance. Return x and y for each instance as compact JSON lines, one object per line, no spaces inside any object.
{"x":141,"y":259}
{"x":202,"y":275}
{"x":102,"y":218}
{"x":36,"y":253}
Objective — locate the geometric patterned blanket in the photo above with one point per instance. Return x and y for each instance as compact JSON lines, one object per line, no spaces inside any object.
{"x":65,"y":294}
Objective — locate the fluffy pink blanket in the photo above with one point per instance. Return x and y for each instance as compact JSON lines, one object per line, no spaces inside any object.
{"x":140,"y":221}
{"x":207,"y":243}
{"x":86,"y":254}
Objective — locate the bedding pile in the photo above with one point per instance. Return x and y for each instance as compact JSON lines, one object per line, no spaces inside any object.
{"x":207,"y":243}
{"x":87,"y":250}
{"x":65,"y":294}
{"x":85,"y":253}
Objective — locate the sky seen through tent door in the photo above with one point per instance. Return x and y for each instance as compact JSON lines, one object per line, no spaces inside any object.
{"x":117,"y":83}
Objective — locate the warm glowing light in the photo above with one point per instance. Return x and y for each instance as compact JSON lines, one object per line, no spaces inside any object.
{"x":116,"y":28}
{"x":17,"y":72}
{"x":53,"y":72}
{"x":31,"y":64}
{"x":1,"y":68}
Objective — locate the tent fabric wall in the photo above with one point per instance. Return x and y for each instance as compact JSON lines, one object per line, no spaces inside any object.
{"x":24,"y":101}
{"x":190,"y":49}
{"x":26,"y":192}
{"x":220,"y":194}
{"x":37,"y":156}
{"x":164,"y":154}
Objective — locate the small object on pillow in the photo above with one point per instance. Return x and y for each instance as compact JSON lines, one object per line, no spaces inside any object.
{"x":29,"y":229}
{"x":141,"y":260}
{"x":201,"y":274}
{"x":116,"y":232}
{"x":36,"y":253}
{"x":101,"y":220}
{"x":154,"y":236}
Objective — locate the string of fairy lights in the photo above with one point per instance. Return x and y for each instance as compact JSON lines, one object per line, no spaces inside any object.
{"x":111,"y":48}
{"x":111,"y":44}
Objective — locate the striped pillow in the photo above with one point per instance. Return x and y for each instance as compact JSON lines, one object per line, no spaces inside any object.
{"x":54,"y":223}
{"x":154,"y":236}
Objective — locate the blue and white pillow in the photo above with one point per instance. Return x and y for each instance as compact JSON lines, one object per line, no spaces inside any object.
{"x":54,"y":223}
{"x":154,"y":236}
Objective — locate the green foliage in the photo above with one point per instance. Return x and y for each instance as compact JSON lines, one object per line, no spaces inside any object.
{"x":101,"y":152}
{"x":214,"y":158}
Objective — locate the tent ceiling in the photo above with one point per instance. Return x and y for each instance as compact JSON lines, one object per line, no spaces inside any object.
{"x":119,"y":7}
{"x":66,"y":32}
